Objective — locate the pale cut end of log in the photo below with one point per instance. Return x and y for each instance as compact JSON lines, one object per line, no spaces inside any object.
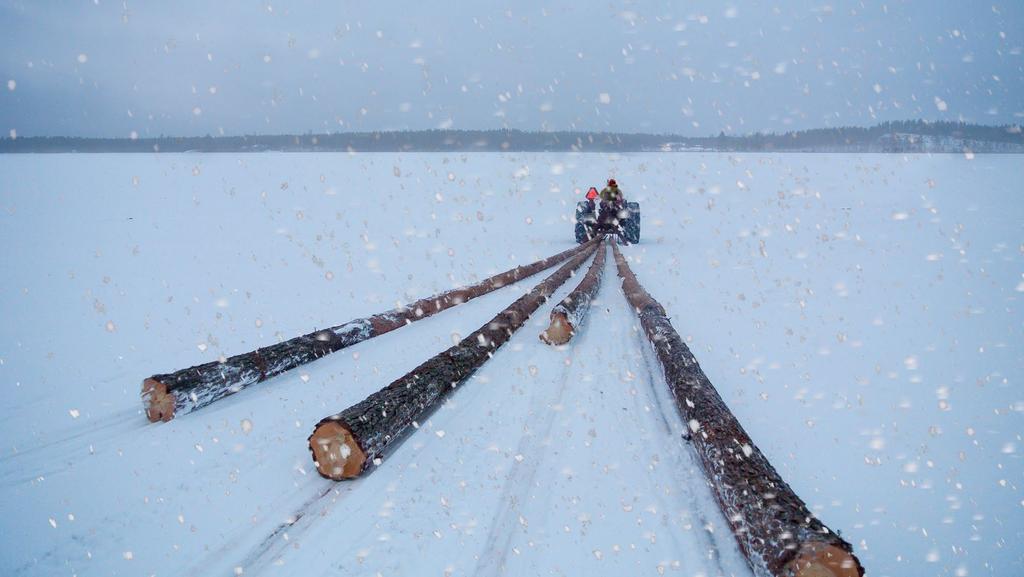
{"x":820,"y":560}
{"x":560,"y":330}
{"x":336,"y":453}
{"x":157,"y":400}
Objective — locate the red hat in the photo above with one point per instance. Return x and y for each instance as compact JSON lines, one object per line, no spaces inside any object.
{"x":611,"y":182}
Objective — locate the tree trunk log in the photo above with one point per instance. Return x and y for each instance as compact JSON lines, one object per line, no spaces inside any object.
{"x":568,"y":315}
{"x":167,"y":395}
{"x":348,"y":443}
{"x":774,"y":529}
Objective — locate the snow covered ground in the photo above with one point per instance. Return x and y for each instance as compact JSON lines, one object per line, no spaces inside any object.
{"x":859,"y":313}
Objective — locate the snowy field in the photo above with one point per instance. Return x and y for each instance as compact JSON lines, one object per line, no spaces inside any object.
{"x":861,"y":315}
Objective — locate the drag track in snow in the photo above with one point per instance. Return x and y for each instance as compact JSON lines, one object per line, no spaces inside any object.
{"x":70,"y":445}
{"x":536,"y":440}
{"x":584,"y":472}
{"x":273,"y":543}
{"x":606,"y":484}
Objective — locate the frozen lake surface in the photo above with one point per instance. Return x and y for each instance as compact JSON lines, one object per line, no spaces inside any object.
{"x":860,"y":314}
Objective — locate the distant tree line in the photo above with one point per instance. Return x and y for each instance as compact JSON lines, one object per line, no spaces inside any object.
{"x":884,"y":137}
{"x":873,"y":137}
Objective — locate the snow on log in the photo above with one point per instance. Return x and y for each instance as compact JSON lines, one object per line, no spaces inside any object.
{"x":346,"y":444}
{"x":568,"y":315}
{"x":167,"y":395}
{"x":774,"y":528}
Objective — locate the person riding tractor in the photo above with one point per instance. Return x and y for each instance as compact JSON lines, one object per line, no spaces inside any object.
{"x":611,"y":193}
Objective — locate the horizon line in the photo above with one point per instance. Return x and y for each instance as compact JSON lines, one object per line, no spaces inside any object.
{"x":1008,"y":126}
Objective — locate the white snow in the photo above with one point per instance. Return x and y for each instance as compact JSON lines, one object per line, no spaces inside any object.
{"x":566,"y":459}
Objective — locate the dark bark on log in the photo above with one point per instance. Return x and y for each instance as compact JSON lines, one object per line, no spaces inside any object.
{"x":348,"y":443}
{"x":167,"y":395}
{"x":568,"y":315}
{"x":774,"y":528}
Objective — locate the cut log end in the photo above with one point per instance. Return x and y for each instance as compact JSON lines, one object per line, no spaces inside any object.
{"x":336,"y":453}
{"x":819,"y":560}
{"x":157,"y":400}
{"x":559,"y":332}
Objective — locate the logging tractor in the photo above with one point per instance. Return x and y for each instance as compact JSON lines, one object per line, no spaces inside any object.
{"x":594,"y":217}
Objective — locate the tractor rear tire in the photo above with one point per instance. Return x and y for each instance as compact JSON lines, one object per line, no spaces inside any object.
{"x":582,"y":233}
{"x":631,"y":225}
{"x":584,"y":222}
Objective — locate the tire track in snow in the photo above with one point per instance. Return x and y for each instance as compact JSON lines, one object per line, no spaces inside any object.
{"x":682,"y":459}
{"x":53,"y":457}
{"x":272,"y":546}
{"x":651,"y":445}
{"x":466,"y":410}
{"x":260,"y":555}
{"x":270,"y":553}
{"x":542,"y":417}
{"x":617,"y":491}
{"x":666,"y":526}
{"x":110,"y":421}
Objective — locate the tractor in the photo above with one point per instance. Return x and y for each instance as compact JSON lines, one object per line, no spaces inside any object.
{"x":594,"y":217}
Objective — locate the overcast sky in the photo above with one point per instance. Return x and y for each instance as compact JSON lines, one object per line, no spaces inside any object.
{"x":111,"y":68}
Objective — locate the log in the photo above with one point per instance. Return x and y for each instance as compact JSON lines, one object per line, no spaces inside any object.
{"x":775,"y":530}
{"x":347,"y":444}
{"x":568,"y":315}
{"x":166,"y":395}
